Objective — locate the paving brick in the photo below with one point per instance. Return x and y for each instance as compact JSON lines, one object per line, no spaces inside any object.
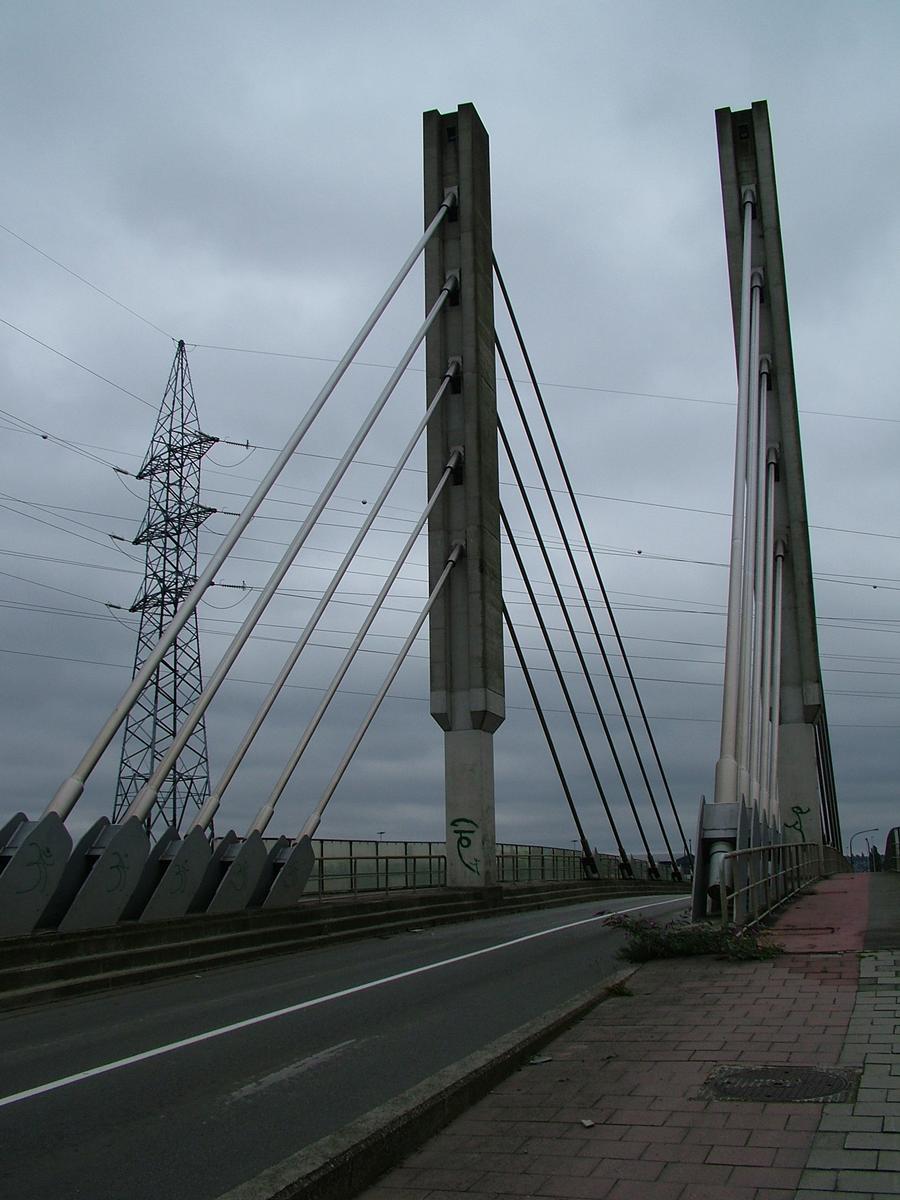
{"x":718,"y":1137}
{"x":835,"y":1160}
{"x":575,"y":1189}
{"x":801,"y":1139}
{"x":735,"y":1156}
{"x":851,"y":1124}
{"x":514,"y":1183}
{"x":636,"y":1116}
{"x":700,"y":1191}
{"x":775,"y":1177}
{"x":872,"y":1141}
{"x":864,"y":1181}
{"x":630,"y":1189}
{"x":627,"y":1168}
{"x":695,"y":1173}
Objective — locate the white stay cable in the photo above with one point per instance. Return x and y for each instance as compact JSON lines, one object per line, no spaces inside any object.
{"x":313,"y":823}
{"x":265,"y":813}
{"x":146,"y":797}
{"x":69,"y":792}
{"x":208,"y":811}
{"x":728,"y":749}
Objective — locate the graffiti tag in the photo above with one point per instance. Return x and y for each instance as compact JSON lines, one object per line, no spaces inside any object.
{"x":797,"y":824}
{"x":41,"y":858}
{"x":464,"y":828}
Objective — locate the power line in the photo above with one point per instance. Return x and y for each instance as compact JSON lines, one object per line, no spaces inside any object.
{"x":570,"y":387}
{"x":81,"y":278}
{"x":76,"y":363}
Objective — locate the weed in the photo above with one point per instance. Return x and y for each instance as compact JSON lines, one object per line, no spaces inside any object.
{"x":619,"y":989}
{"x":647,"y":940}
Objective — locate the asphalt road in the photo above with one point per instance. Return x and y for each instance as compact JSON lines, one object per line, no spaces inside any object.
{"x":228,"y":1072}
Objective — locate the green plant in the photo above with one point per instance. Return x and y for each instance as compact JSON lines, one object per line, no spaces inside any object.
{"x":619,"y":989}
{"x":647,"y":940}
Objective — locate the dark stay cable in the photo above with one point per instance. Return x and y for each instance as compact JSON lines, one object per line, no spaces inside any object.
{"x":573,"y":564}
{"x":583,"y":528}
{"x":551,"y":746}
{"x":565,"y":691}
{"x":567,"y":617}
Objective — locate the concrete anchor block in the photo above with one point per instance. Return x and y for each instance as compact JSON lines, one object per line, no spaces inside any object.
{"x":247,"y":863}
{"x":184,"y":865}
{"x":221,"y":856}
{"x":115,"y":863}
{"x":157,"y":861}
{"x":33,"y":856}
{"x":297,"y":862}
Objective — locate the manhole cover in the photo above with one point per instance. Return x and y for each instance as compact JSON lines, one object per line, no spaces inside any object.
{"x":771,"y":1084}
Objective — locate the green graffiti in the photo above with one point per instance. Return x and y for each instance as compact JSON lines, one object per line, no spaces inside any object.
{"x":118,"y":871}
{"x":180,"y":872}
{"x":464,"y":828}
{"x":41,"y":859}
{"x":797,"y":824}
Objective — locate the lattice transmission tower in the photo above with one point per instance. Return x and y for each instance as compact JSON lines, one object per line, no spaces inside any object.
{"x":169,"y":532}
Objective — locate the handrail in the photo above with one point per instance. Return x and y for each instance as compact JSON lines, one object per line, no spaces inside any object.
{"x":756,"y":881}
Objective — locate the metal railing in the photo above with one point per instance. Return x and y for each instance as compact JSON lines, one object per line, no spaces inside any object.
{"x":376,"y":872}
{"x":351,"y":867}
{"x":756,"y":881}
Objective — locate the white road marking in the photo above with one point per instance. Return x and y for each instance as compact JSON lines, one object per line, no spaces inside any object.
{"x":289,"y":1072}
{"x":195,"y":1039}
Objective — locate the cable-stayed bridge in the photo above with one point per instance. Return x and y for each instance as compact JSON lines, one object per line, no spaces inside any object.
{"x":774,"y":778}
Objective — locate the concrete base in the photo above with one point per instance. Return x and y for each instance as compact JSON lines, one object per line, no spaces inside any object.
{"x":183,"y":867}
{"x":717,"y":835}
{"x":115,"y":863}
{"x":155,"y":867}
{"x":73,"y":876}
{"x":243,"y":875}
{"x":297,"y":862}
{"x":222,"y":855}
{"x":471,"y":839}
{"x":33,"y":856}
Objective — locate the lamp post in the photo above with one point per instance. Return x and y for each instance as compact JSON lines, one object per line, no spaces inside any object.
{"x":859,"y":833}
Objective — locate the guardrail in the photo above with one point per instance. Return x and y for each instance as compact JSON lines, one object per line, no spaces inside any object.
{"x":345,"y":866}
{"x":377,"y":872}
{"x":756,"y":881}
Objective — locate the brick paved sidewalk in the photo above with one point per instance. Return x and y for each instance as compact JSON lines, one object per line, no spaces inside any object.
{"x":618,"y":1109}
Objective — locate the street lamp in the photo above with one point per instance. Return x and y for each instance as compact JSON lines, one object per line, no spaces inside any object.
{"x":859,"y":833}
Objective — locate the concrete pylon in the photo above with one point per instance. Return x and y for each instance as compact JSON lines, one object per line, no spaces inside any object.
{"x":466,"y":628}
{"x":774,"y":730}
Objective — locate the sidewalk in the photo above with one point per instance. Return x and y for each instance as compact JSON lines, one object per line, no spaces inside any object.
{"x":616,"y":1107}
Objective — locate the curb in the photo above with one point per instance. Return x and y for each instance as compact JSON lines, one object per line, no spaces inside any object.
{"x":340,"y":1165}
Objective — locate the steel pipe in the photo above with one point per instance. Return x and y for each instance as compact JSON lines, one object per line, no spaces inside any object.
{"x":208,"y":811}
{"x":778,"y":588}
{"x":765,"y":731}
{"x":146,"y":798}
{"x":264,"y":815}
{"x":759,"y":574}
{"x":70,"y":791}
{"x":726,"y":767}
{"x":315,"y":818}
{"x":750,"y":552}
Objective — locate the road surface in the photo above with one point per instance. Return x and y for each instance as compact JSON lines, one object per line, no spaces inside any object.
{"x":187,"y":1087}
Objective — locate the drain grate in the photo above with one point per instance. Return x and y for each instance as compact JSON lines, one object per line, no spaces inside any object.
{"x":780,"y":1084}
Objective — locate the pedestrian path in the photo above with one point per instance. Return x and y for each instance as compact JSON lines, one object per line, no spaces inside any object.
{"x":622,"y":1106}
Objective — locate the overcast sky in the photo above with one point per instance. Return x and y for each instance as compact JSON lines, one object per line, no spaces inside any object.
{"x":248,"y":177}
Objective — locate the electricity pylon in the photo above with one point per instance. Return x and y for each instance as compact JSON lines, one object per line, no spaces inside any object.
{"x":169,"y":532}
